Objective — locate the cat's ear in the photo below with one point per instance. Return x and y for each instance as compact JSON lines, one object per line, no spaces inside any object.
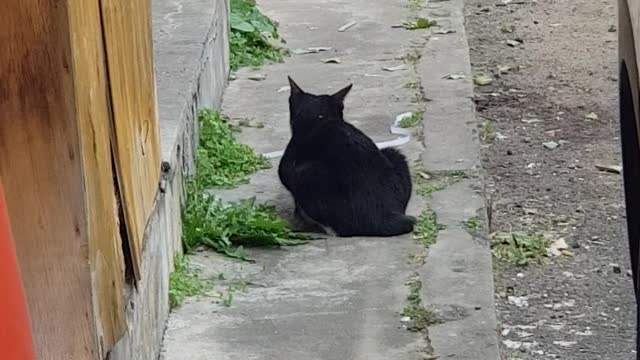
{"x":295,"y":89}
{"x":342,"y":94}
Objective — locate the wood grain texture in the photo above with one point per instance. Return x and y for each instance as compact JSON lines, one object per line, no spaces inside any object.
{"x":129,"y":44}
{"x":92,"y":110}
{"x":41,"y":169}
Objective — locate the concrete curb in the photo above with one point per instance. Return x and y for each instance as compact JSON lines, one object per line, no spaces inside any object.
{"x":458,"y":273}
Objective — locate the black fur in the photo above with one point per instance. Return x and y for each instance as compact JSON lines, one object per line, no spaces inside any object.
{"x":337,"y":175}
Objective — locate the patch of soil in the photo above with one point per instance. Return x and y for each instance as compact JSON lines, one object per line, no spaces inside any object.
{"x":579,"y":306}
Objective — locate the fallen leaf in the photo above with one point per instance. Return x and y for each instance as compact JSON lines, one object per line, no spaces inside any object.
{"x":332,"y":61}
{"x":507,"y":29}
{"x":319,"y":48}
{"x":257,"y":77}
{"x":483,"y":79}
{"x":616,"y":169}
{"x":311,"y":50}
{"x":503,"y":69}
{"x":513,"y":43}
{"x":346,"y":26}
{"x":454,"y":77}
{"x":395,"y":68}
{"x":301,"y":51}
{"x":556,"y":247}
{"x":591,"y":116}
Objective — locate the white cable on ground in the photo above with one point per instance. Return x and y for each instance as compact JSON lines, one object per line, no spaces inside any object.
{"x":396,"y":129}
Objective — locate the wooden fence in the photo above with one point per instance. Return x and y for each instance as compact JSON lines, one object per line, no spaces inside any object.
{"x":79,"y":159}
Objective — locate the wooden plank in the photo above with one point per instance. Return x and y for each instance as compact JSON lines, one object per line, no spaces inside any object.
{"x":92,"y":110}
{"x":41,"y":169}
{"x":129,"y":44}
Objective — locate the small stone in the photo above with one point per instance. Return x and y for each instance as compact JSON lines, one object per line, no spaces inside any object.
{"x":565,"y":343}
{"x":519,"y":301}
{"x":616,"y":268}
{"x":550,"y":145}
{"x":612,"y":28}
{"x":513,"y":345}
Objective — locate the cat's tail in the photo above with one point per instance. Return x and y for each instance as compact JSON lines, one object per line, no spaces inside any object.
{"x":397,"y":224}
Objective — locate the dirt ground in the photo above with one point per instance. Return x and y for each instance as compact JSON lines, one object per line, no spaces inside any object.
{"x":580,"y":305}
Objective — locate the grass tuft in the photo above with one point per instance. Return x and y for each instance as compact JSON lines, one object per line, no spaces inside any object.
{"x":222,"y":161}
{"x":227,"y":227}
{"x":411,"y":121}
{"x":421,"y":317}
{"x":519,"y":248}
{"x":427,"y":228}
{"x":252,"y":34}
{"x":473,"y":225}
{"x":184,"y":282}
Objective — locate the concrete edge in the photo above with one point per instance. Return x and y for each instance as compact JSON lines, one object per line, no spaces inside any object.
{"x":183,"y":89}
{"x":458,"y":272}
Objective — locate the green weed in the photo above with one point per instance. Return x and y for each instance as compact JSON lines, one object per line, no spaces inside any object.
{"x":222,"y":161}
{"x":227,"y":227}
{"x":252,"y":34}
{"x":421,"y":317}
{"x":519,"y":248}
{"x":183,"y":283}
{"x":419,"y":23}
{"x":487,"y":132}
{"x":473,"y":225}
{"x":411,"y":121}
{"x":427,"y":228}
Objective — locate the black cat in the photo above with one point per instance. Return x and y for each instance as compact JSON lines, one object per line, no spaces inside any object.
{"x":338,"y":177}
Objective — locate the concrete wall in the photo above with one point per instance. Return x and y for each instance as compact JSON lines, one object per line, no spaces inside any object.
{"x":191,"y":43}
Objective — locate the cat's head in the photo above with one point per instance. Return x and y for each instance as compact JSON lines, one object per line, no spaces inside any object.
{"x":308,"y":110}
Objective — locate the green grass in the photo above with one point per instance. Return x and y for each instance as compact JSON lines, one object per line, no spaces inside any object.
{"x":252,"y":34}
{"x":519,"y":248}
{"x":473,"y":225}
{"x":228,"y":227}
{"x":487,"y":132}
{"x":411,"y":121}
{"x":427,"y":228}
{"x":222,"y":161}
{"x":421,"y":317}
{"x":419,"y":23}
{"x":184,"y":283}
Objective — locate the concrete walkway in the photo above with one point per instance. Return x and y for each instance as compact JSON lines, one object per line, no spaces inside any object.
{"x":342,"y":298}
